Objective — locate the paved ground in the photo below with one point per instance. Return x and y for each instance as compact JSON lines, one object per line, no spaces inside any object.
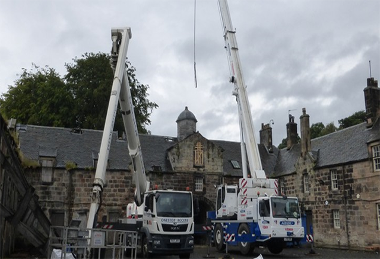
{"x":304,"y":252}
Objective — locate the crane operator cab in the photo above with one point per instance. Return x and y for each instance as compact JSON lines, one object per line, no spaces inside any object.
{"x":226,"y":201}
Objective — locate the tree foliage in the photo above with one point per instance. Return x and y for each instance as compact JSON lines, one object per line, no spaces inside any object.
{"x":356,"y":118}
{"x":39,"y":97}
{"x":316,"y":130}
{"x":79,"y":99}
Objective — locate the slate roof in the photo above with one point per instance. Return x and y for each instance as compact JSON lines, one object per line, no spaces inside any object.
{"x":83,"y":147}
{"x":344,"y":146}
{"x":341,"y":147}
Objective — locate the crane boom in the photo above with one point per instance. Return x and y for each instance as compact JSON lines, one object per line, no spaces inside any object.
{"x":120,"y":92}
{"x":245,"y":118}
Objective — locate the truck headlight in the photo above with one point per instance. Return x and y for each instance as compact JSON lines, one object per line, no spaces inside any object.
{"x":191,"y":242}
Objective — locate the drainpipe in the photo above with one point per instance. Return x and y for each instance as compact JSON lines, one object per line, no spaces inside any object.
{"x":345,"y":206}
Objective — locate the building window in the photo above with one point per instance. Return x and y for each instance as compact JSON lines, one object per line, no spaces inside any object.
{"x":378,"y":215}
{"x":334,"y":179}
{"x":376,"y":157}
{"x":306,"y":183}
{"x":235,"y":164}
{"x":336,"y":218}
{"x":199,"y":184}
{"x":198,"y":154}
{"x":47,"y":170}
{"x":282,"y":187}
{"x":57,"y":218}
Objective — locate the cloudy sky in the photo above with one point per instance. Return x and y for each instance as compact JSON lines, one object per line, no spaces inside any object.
{"x":294,"y":54}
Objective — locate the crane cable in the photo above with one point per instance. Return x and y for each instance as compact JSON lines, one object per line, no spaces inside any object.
{"x":195,"y":64}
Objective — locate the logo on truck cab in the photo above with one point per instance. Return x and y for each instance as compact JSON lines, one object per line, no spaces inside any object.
{"x":174,"y":220}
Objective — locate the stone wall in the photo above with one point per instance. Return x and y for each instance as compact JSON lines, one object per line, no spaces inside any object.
{"x":356,"y":199}
{"x":69,"y":193}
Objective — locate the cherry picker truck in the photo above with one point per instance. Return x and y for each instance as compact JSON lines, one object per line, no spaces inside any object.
{"x":163,"y":227}
{"x":251,"y":213}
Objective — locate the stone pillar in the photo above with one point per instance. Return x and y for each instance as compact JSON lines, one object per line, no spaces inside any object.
{"x":305,"y":133}
{"x":291,"y":130}
{"x":266,"y":136}
{"x":372,"y":101}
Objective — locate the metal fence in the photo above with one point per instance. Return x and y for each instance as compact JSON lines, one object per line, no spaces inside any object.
{"x":72,"y":242}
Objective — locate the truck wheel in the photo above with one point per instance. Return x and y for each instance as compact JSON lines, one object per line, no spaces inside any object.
{"x":275,"y":247}
{"x":144,"y":248}
{"x":184,"y":256}
{"x":219,"y":237}
{"x":245,"y":247}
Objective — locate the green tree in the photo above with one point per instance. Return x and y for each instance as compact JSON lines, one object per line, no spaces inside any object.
{"x":39,"y":97}
{"x":90,"y":80}
{"x":356,"y":118}
{"x":80,"y":99}
{"x":330,"y":128}
{"x":316,"y":130}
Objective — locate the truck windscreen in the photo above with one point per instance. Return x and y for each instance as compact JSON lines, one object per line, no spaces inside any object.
{"x":174,"y":204}
{"x":283,"y":207}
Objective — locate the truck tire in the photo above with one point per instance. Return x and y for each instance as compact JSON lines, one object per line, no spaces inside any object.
{"x":245,"y":247}
{"x":219,"y":237}
{"x":144,"y":248}
{"x":275,"y":246}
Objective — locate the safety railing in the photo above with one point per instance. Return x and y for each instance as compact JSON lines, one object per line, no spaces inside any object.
{"x":76,"y":243}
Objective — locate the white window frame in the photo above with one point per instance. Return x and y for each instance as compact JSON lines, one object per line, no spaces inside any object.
{"x":47,"y":165}
{"x":334,"y":179}
{"x":376,"y":157}
{"x":282,"y":187}
{"x":306,"y":188}
{"x":199,"y":184}
{"x":336,"y":218}
{"x":378,"y":215}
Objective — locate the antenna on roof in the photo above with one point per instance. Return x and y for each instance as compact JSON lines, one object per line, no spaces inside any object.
{"x":291,"y":110}
{"x":370,"y":74}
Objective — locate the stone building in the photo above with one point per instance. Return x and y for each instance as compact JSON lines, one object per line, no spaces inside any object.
{"x":336,"y":177}
{"x":61,"y":166}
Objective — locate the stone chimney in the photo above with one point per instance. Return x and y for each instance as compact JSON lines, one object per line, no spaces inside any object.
{"x":266,"y":136}
{"x":305,"y":133}
{"x":291,"y":129}
{"x":186,"y":124}
{"x":372,"y":101}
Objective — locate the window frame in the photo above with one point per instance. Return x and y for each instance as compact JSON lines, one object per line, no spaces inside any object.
{"x":198,"y":184}
{"x":378,"y":215}
{"x":336,"y":218}
{"x":334,"y":180}
{"x":376,"y":157}
{"x":282,"y":187}
{"x":306,"y":188}
{"x":47,"y":169}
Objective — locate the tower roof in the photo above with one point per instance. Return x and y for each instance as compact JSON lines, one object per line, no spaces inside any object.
{"x":186,"y":115}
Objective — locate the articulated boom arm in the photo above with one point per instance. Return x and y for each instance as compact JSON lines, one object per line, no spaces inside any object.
{"x":120,"y":92}
{"x":248,"y":137}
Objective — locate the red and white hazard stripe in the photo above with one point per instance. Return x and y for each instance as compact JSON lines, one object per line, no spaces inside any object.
{"x":229,"y":237}
{"x":108,"y":226}
{"x":206,"y":227}
{"x":276,"y":186}
{"x":309,"y":238}
{"x":244,"y":201}
{"x":244,"y":182}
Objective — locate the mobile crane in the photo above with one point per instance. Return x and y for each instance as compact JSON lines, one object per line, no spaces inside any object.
{"x":251,"y":213}
{"x":166,"y":225}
